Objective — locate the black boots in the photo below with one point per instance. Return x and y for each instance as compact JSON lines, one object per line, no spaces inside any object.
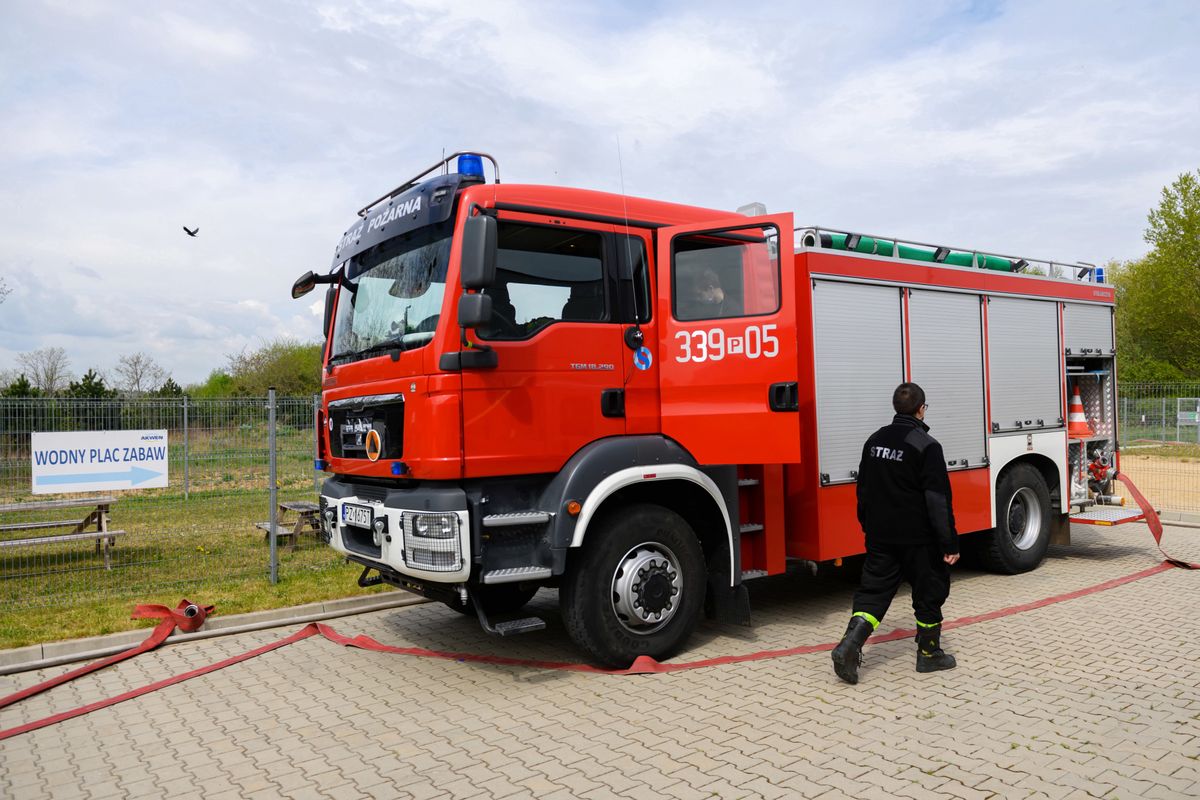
{"x":848,"y":654}
{"x":930,"y":656}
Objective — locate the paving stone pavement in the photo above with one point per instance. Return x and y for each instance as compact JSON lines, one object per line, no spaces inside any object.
{"x":1093,"y":697}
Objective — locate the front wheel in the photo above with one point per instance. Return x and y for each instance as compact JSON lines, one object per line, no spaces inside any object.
{"x":1023,"y":521}
{"x":637,"y":587}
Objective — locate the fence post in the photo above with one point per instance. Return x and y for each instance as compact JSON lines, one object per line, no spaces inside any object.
{"x":316,"y":441}
{"x":274,"y":493}
{"x":186,"y":484}
{"x":1163,"y":418}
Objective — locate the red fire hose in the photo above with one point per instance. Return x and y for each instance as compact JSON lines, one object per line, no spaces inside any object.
{"x":1152,"y":522}
{"x":189,"y":617}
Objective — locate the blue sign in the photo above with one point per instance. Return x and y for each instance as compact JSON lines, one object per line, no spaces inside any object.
{"x":642,"y":358}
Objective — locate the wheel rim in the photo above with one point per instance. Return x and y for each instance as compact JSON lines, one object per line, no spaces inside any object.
{"x":1024,"y":518}
{"x":647,"y":588}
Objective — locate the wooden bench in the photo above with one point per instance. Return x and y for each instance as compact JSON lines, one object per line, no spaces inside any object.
{"x":289,"y":530}
{"x":97,"y":515}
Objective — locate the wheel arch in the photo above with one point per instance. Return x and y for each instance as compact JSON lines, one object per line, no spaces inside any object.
{"x":649,"y":468}
{"x":1045,"y":451}
{"x":685,"y":490}
{"x":1045,"y":466}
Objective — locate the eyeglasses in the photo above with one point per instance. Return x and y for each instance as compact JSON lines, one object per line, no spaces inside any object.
{"x":924,"y":406}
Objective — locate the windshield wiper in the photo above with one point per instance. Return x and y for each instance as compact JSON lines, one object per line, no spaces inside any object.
{"x":387,"y":344}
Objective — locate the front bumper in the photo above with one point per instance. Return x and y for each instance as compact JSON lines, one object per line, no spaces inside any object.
{"x":423,"y":532}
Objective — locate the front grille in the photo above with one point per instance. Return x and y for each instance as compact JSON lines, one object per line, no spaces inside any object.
{"x":351,"y":420}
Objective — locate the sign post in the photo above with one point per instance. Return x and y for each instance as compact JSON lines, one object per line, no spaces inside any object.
{"x":98,"y":461}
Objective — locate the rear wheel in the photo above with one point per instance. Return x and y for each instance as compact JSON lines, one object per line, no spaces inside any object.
{"x":497,"y":598}
{"x":637,"y":587}
{"x":1023,"y":521}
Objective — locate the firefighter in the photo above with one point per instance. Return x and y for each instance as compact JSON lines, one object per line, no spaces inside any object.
{"x":905,"y":510}
{"x":701,"y":295}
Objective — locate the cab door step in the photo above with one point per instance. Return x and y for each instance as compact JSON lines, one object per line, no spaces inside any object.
{"x":517,"y":518}
{"x":517,"y":574}
{"x":508,"y":627}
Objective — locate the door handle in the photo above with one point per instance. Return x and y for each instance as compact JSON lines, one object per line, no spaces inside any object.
{"x":612,"y":402}
{"x":784,"y":396}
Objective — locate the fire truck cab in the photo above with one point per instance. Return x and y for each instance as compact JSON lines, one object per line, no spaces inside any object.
{"x":642,"y":404}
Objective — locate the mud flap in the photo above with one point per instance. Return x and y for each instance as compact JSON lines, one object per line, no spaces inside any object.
{"x":1060,"y":529}
{"x":725,"y":603}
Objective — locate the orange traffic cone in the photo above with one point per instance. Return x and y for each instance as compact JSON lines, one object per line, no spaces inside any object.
{"x":1077,"y":424}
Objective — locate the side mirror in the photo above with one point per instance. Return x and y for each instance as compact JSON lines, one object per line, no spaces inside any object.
{"x":329,"y":295}
{"x":474,"y":310}
{"x":478,"y":252}
{"x":303,"y":285}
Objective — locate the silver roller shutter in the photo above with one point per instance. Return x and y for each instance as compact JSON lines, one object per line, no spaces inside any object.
{"x":1024,"y":354}
{"x":1088,"y":329}
{"x":946,"y":351}
{"x":859,"y":362}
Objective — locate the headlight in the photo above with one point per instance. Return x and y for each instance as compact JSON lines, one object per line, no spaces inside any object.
{"x":431,"y":541}
{"x":435,"y":526}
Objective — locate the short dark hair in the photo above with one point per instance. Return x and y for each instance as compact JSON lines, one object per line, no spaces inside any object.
{"x":908,"y":398}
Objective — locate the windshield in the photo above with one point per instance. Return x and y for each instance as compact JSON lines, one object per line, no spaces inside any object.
{"x":392,"y":295}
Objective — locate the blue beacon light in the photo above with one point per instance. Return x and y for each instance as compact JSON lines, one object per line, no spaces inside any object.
{"x":470,"y":164}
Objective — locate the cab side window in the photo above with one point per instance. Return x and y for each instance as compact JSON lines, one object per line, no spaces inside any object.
{"x":545,"y":275}
{"x":719,"y":276}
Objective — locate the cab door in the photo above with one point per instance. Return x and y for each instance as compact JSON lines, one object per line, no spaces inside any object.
{"x":728,"y":353}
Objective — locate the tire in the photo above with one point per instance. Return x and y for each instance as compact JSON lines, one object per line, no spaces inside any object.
{"x":637,"y":587}
{"x":1023,"y":523}
{"x":498,"y":598}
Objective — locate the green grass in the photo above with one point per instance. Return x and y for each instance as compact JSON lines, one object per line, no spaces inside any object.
{"x":1177,"y":452}
{"x":204,"y":546}
{"x":229,"y":596}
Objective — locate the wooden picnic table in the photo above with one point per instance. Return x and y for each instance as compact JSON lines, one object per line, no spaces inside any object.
{"x":289,"y":530}
{"x":98,"y":509}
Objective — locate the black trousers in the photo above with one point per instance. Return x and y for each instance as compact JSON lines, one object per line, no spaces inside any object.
{"x":888,"y":564}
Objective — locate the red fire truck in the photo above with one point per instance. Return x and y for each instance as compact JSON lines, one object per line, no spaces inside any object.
{"x":644,"y":404}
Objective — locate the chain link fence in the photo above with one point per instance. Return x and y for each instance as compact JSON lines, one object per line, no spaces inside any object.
{"x":1160,"y":442}
{"x":199,"y":530}
{"x":204,"y":527}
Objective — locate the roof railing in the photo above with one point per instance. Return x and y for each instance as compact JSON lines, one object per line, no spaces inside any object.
{"x":444,"y":165}
{"x":819,"y":236}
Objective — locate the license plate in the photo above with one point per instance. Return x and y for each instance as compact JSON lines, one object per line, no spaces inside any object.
{"x":359,"y":516}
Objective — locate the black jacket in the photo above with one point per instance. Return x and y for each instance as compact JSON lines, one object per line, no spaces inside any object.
{"x":903,"y":487}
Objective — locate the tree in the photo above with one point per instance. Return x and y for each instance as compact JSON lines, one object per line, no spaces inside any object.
{"x":138,"y":374}
{"x":1159,"y":295}
{"x":218,"y":384}
{"x":4,"y":290}
{"x":292,"y":367}
{"x":21,"y":387}
{"x":48,"y":368}
{"x":169,"y":389}
{"x":90,"y":386}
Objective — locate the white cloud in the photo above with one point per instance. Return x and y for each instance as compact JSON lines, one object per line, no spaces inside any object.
{"x":1002,"y":126}
{"x":200,"y":40}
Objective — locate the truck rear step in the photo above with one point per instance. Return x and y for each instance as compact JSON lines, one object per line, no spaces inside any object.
{"x":1108,"y":516}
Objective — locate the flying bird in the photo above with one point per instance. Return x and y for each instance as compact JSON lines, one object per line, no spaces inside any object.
{"x":189,"y":231}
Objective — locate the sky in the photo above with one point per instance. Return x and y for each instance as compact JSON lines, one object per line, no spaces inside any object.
{"x":1041,"y":129}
